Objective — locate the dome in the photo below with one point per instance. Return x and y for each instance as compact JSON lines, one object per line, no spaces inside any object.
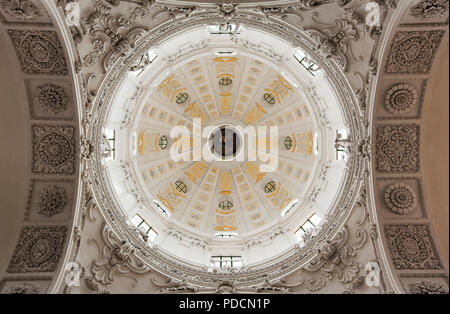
{"x":191,"y":146}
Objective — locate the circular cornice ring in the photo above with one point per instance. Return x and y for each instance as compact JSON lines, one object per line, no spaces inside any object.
{"x":196,"y":275}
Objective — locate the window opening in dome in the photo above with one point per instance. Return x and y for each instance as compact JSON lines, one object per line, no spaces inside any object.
{"x":341,"y":145}
{"x":311,"y":222}
{"x":224,"y":29}
{"x":270,"y":187}
{"x":288,"y":208}
{"x":162,"y":142}
{"x":142,"y":225}
{"x":226,"y":235}
{"x":161,"y":208}
{"x":144,"y":62}
{"x":225,"y":81}
{"x":288,"y":143}
{"x":225,"y":52}
{"x":181,"y":98}
{"x":181,"y":186}
{"x":226,"y":261}
{"x":269,"y":98}
{"x":152,"y":55}
{"x":110,"y":150}
{"x":306,"y":62}
{"x":316,"y":144}
{"x":225,"y":205}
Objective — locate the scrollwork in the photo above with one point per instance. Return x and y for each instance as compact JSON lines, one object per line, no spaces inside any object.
{"x":116,"y":259}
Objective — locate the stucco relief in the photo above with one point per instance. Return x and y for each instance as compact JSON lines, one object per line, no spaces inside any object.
{"x":413,"y":51}
{"x":400,"y":198}
{"x":21,"y":9}
{"x":50,"y":99}
{"x":39,"y":52}
{"x":411,"y":247}
{"x":38,"y":249}
{"x":22,"y":288}
{"x":24,"y":285}
{"x":40,"y":240}
{"x":427,"y":287}
{"x":400,"y":98}
{"x":115,"y":259}
{"x":53,"y":149}
{"x":52,"y":200}
{"x":429,"y":9}
{"x":24,"y":12}
{"x":397,"y":148}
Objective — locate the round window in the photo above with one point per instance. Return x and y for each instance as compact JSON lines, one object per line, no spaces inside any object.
{"x":225,"y":205}
{"x":225,"y":81}
{"x":288,"y":143}
{"x":181,"y":98}
{"x":162,"y":142}
{"x":269,"y":98}
{"x":181,"y":186}
{"x":270,"y":187}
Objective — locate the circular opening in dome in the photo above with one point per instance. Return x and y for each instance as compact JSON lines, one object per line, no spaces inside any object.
{"x":269,"y":98}
{"x":225,"y":81}
{"x":270,"y":187}
{"x":225,"y":142}
{"x":181,"y":98}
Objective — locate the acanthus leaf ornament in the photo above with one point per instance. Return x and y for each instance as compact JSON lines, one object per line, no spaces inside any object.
{"x":227,"y":10}
{"x":72,"y":12}
{"x":277,"y":286}
{"x":335,"y":258}
{"x":310,"y":4}
{"x":171,"y":286}
{"x":116,"y":259}
{"x":113,"y":37}
{"x":52,"y":200}
{"x":365,"y":147}
{"x":335,"y":41}
{"x":21,"y":9}
{"x":427,"y":287}
{"x":428,"y":9}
